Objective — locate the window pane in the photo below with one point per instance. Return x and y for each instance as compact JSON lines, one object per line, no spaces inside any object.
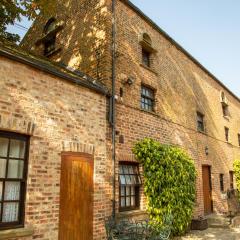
{"x":3,"y":147}
{"x":128,"y":201}
{"x":17,"y":149}
{"x":10,"y":212}
{"x":1,"y":187}
{"x":121,"y":169}
{"x":133,"y":191}
{"x":130,"y":169}
{"x":15,"y":169}
{"x":128,"y":191}
{"x":122,"y":202}
{"x":122,"y":191}
{"x":122,"y":179}
{"x":3,"y":163}
{"x":125,"y":169}
{"x":128,"y":179}
{"x":12,"y":191}
{"x":133,"y":201}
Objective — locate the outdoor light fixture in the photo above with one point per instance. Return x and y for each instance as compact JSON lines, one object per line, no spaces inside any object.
{"x":206,"y":150}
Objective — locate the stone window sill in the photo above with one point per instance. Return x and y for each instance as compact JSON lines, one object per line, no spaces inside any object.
{"x":148,"y":68}
{"x":18,"y":232}
{"x":133,"y":213}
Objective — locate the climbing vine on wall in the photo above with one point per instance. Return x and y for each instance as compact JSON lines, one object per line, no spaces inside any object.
{"x":236,"y":168}
{"x":169,"y":183}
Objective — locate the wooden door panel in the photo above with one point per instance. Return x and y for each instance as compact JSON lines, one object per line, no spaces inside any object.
{"x":76,"y":197}
{"x":207,"y":189}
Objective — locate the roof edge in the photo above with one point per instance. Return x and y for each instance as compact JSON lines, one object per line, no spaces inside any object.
{"x":51,"y":70}
{"x":177,"y":45}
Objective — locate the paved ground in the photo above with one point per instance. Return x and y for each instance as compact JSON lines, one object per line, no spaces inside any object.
{"x":214,"y":234}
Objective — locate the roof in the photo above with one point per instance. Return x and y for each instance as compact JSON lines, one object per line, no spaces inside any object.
{"x":177,"y":45}
{"x":16,"y":53}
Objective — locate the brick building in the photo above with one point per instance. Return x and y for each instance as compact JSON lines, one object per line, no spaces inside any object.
{"x":160,"y":91}
{"x":49,"y":117}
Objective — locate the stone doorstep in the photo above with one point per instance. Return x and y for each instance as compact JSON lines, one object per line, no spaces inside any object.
{"x":18,"y":232}
{"x":218,"y":221}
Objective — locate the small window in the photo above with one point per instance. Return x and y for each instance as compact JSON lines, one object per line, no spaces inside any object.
{"x":221,"y":179}
{"x":231,"y":180}
{"x":146,"y":58}
{"x":200,"y":122}
{"x":225,"y":110}
{"x":50,"y":43}
{"x":226,"y":134}
{"x":147,"y":98}
{"x":239,"y":139}
{"x":13,"y":168}
{"x":129,"y":184}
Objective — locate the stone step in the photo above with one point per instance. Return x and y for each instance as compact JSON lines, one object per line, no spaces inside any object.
{"x":218,"y":221}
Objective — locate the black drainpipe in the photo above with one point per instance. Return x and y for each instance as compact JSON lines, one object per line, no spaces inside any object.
{"x":113,"y":104}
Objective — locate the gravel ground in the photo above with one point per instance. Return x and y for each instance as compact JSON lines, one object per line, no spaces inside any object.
{"x":213,"y":234}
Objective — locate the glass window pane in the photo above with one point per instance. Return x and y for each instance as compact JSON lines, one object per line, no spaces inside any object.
{"x":132,"y":201}
{"x":15,"y":169}
{"x":130,"y":169}
{"x":122,"y":179}
{"x":3,"y":163}
{"x":10,"y":212}
{"x":133,"y":179}
{"x":121,"y":169}
{"x":3,"y":147}
{"x":125,"y":169}
{"x":122,"y":202}
{"x":133,"y":191}
{"x":1,"y":187}
{"x":128,"y":202}
{"x":12,"y":191}
{"x":17,"y":149}
{"x":122,"y":191}
{"x":128,"y":179}
{"x":128,"y":191}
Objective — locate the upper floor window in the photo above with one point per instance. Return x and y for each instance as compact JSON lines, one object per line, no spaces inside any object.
{"x":221,"y":179}
{"x":231,"y":179}
{"x":13,"y":169}
{"x":226,"y":134}
{"x":146,"y":50}
{"x":147,"y":98}
{"x":129,"y":184}
{"x":200,"y":122}
{"x":50,"y":42}
{"x":225,"y":107}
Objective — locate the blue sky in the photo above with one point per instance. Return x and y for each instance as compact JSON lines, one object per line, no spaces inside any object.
{"x":208,"y":29}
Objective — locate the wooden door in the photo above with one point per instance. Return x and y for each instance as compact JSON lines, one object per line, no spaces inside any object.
{"x":207,"y":189}
{"x":76,"y":197}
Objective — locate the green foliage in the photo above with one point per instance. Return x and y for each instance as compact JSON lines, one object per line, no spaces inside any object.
{"x":236,"y":168}
{"x":169,"y":183}
{"x":12,"y":10}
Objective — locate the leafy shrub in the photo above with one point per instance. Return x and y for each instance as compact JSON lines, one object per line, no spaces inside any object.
{"x":236,"y":168}
{"x":169,"y":183}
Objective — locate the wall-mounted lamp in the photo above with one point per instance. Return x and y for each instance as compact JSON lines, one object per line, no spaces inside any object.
{"x":129,"y":81}
{"x":206,"y":150}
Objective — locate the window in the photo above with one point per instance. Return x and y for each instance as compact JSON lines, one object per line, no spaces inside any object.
{"x":239,"y":139}
{"x":226,"y":134}
{"x":146,"y":50}
{"x":231,"y":180}
{"x":130,"y":182}
{"x":147,"y":98}
{"x":200,"y":122}
{"x":49,"y":44}
{"x":225,"y":110}
{"x":13,"y":169}
{"x":221,"y":179}
{"x":146,"y":58}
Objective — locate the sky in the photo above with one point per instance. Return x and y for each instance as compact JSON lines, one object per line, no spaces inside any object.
{"x":208,"y":29}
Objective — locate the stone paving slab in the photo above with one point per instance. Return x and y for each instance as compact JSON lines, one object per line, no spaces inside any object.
{"x":213,"y":234}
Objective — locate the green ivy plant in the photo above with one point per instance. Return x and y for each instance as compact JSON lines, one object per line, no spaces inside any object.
{"x":236,"y":169}
{"x":169,"y":183}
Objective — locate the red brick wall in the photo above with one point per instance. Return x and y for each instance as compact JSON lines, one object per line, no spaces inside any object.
{"x":66,"y":117}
